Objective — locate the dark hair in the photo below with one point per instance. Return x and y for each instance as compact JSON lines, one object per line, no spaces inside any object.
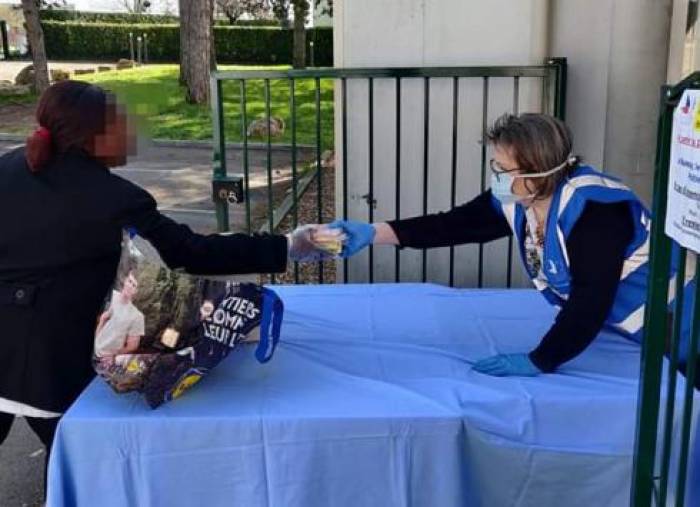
{"x":539,"y":142}
{"x":70,"y":114}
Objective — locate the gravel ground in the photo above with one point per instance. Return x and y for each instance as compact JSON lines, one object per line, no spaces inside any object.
{"x":308,"y":214}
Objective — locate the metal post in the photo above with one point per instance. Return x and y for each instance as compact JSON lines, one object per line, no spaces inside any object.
{"x":673,"y":368}
{"x":344,"y":112}
{"x":453,"y":178}
{"x":370,"y":166}
{"x":295,"y":196}
{"x":246,"y":164}
{"x":268,"y":122}
{"x":426,"y":158}
{"x":397,"y":250}
{"x":138,"y":49}
{"x":219,"y":155}
{"x":131,"y":46}
{"x":689,"y":392}
{"x":558,"y":87}
{"x":484,"y":127}
{"x":145,"y":48}
{"x":654,"y":321}
{"x":319,"y":169}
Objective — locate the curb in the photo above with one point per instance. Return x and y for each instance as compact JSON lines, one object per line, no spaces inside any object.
{"x":12,"y":137}
{"x":174,"y":143}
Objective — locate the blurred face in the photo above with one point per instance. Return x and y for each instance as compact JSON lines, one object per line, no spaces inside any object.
{"x":131,"y":286}
{"x":118,"y":141}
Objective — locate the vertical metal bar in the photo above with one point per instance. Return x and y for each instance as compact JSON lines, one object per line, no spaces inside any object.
{"x":426,"y":147}
{"x":672,"y":376}
{"x":319,"y":169}
{"x":370,"y":199}
{"x":655,"y":320}
{"x":560,"y":76}
{"x":219,"y":155}
{"x":246,"y":166}
{"x":344,"y":100}
{"x":295,"y":197}
{"x":397,"y":251}
{"x":689,"y":391}
{"x":516,"y":106}
{"x":484,"y":120}
{"x":268,"y":119}
{"x":547,"y":95}
{"x":453,"y":179}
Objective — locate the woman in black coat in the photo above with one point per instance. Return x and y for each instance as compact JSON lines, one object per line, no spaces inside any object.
{"x":62,"y":213}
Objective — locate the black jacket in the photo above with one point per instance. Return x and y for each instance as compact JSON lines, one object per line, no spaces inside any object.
{"x":60,"y":237}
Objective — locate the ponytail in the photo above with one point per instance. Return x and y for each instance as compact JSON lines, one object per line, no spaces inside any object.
{"x":38,"y":151}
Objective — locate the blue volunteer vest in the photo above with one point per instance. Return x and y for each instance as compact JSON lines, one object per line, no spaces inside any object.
{"x":568,"y":202}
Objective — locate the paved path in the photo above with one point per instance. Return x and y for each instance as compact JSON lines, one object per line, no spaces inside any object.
{"x":10,"y":69}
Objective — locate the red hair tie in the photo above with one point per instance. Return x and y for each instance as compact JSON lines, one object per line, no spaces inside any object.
{"x":44,"y":133}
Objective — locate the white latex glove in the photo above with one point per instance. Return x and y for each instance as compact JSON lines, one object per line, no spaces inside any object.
{"x":302,"y":247}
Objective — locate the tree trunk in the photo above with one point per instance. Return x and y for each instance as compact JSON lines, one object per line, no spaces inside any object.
{"x":300,"y":10}
{"x":198,"y":51}
{"x":184,"y":27}
{"x":36,"y":41}
{"x":211,"y":37}
{"x":184,"y":40}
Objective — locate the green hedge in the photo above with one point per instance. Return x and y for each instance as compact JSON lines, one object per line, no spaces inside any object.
{"x":234,"y":44}
{"x":323,"y":46}
{"x":135,"y":19}
{"x":106,"y":17}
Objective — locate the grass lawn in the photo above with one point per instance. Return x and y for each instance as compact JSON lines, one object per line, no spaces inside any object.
{"x":154,"y":94}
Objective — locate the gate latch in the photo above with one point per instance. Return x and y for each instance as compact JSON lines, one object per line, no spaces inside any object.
{"x":228,"y":189}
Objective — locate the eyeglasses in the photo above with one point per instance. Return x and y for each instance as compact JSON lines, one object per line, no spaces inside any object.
{"x":498,"y":169}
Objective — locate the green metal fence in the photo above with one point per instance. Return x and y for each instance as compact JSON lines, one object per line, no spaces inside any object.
{"x":235,"y":188}
{"x":653,"y":466}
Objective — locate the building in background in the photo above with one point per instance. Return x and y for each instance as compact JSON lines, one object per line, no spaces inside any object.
{"x":619,"y":54}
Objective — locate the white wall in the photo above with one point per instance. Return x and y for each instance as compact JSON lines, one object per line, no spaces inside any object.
{"x":617,"y":52}
{"x":618,"y":55}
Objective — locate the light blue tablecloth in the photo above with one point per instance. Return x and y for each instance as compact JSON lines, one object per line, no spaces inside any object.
{"x":369,"y":401}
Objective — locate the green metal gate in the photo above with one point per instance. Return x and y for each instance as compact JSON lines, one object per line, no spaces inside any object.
{"x":232,"y":189}
{"x":653,"y":466}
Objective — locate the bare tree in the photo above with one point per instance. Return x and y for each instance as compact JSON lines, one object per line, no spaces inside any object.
{"x":301,"y":10}
{"x":35,"y":35}
{"x":195,"y":49}
{"x":184,"y":8}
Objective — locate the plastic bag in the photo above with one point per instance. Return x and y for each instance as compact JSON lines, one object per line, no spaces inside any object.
{"x":162,"y":331}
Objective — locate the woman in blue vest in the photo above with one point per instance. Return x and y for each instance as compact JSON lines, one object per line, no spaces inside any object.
{"x":583,"y":238}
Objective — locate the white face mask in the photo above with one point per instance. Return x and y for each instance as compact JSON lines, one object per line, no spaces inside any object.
{"x":502,"y":183}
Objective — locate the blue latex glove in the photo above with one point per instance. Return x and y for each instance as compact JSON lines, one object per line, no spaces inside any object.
{"x":506,"y":365}
{"x":359,"y":235}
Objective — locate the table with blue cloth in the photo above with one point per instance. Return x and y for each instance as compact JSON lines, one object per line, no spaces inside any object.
{"x":370,"y":400}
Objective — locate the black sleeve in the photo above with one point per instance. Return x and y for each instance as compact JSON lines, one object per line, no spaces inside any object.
{"x":596,"y":247}
{"x":477,"y":221}
{"x":212,"y":254}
